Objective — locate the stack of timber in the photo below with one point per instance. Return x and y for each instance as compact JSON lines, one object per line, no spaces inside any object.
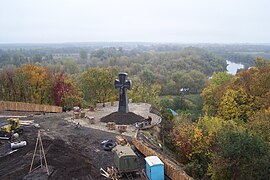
{"x":20,"y":106}
{"x":172,"y":170}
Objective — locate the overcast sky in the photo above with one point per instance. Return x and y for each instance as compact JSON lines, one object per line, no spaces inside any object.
{"x":180,"y":21}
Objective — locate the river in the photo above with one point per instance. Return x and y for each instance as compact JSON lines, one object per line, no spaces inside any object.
{"x":233,"y":67}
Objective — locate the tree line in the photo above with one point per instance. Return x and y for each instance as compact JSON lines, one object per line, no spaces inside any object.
{"x":37,"y":84}
{"x":69,"y":83}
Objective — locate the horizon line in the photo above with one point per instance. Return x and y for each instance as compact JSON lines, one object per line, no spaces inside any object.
{"x":147,"y":42}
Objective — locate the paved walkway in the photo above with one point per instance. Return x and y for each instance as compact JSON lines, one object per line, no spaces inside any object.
{"x":141,"y":109}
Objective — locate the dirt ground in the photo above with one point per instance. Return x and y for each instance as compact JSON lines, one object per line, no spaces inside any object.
{"x":71,"y":152}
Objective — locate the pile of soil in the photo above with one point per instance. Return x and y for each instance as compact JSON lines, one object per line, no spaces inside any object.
{"x":63,"y":160}
{"x":122,"y":118}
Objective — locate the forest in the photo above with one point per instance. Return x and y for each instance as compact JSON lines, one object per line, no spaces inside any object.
{"x":31,"y":75}
{"x":221,"y":130}
{"x":231,"y":138}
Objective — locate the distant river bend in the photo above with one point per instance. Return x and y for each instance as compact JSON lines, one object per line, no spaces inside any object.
{"x":233,"y":67}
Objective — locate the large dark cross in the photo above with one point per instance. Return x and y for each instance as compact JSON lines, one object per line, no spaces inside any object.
{"x":123,"y":84}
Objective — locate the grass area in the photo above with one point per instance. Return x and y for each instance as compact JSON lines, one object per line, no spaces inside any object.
{"x":193,"y":98}
{"x":188,"y":104}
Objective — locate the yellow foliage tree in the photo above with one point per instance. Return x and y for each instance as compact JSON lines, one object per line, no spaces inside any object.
{"x":37,"y":77}
{"x":236,"y":105}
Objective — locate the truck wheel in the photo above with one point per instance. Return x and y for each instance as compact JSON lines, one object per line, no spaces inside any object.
{"x":20,"y":131}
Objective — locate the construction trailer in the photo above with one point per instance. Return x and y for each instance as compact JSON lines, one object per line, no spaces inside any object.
{"x":154,"y":168}
{"x":125,"y":159}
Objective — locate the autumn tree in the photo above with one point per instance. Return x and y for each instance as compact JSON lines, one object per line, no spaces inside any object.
{"x":7,"y":84}
{"x":214,"y":91}
{"x":236,"y":104}
{"x":255,"y":82}
{"x":65,"y":91}
{"x":37,"y":77}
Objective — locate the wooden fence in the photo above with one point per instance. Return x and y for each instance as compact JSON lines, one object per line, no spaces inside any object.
{"x":20,"y":106}
{"x":172,"y":170}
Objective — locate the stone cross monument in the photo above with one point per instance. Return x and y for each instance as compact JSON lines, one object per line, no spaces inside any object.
{"x":123,"y":84}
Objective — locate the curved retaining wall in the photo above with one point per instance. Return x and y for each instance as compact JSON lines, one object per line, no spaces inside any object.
{"x":172,"y":170}
{"x":20,"y":106}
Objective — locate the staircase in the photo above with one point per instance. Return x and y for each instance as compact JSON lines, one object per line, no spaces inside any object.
{"x":129,"y":176}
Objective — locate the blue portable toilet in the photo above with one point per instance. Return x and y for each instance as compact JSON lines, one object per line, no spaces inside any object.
{"x":154,"y":168}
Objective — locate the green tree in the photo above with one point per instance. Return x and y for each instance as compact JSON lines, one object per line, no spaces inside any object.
{"x":165,"y":102}
{"x":37,"y":58}
{"x":83,"y":54}
{"x":240,"y":155}
{"x":148,"y":76}
{"x":98,"y":85}
{"x":143,"y":92}
{"x":260,"y":62}
{"x":70,"y":66}
{"x":259,"y":124}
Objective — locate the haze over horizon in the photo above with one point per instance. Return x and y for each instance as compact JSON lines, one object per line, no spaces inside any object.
{"x":170,"y":21}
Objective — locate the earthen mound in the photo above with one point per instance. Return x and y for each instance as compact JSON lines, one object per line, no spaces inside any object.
{"x":122,"y":118}
{"x":64,"y":161}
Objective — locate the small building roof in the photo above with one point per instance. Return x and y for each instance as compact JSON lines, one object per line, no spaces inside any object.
{"x":173,"y":112}
{"x":153,"y":161}
{"x":124,"y":151}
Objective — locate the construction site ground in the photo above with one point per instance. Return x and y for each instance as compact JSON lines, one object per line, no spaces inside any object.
{"x":72,"y":151}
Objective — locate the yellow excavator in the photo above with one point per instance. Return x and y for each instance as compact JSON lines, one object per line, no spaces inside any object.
{"x":12,"y":127}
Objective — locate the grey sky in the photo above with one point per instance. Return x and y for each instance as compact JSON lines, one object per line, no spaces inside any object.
{"x":182,"y":21}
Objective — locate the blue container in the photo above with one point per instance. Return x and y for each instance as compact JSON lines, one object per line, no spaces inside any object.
{"x":154,"y":168}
